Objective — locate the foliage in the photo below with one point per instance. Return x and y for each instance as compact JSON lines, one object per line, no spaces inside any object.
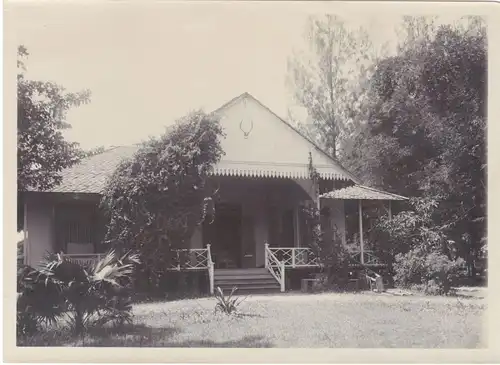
{"x":155,"y":200}
{"x":415,"y":227}
{"x":229,"y":304}
{"x":326,"y":78}
{"x":432,"y":272}
{"x":85,"y":296}
{"x":425,"y":128}
{"x":42,"y":151}
{"x":423,"y":254}
{"x":38,"y":301}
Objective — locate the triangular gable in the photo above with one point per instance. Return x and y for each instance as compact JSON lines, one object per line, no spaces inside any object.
{"x":259,"y":143}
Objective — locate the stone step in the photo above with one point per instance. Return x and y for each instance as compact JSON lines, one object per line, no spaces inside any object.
{"x":243,"y":280}
{"x":248,"y":281}
{"x":249,"y":288}
{"x":243,"y":276}
{"x":244,"y":292}
{"x":246,"y":285}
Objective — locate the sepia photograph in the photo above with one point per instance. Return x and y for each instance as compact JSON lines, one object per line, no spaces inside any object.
{"x":222,"y":175}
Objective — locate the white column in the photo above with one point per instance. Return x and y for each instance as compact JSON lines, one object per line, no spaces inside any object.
{"x":390,"y":210}
{"x":361,"y":243}
{"x":266,"y":247}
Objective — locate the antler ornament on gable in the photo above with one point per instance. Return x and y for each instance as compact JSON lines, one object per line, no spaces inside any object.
{"x":246,"y":132}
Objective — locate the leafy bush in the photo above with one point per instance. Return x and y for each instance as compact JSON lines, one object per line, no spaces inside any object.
{"x":424,"y":256}
{"x":327,"y":247}
{"x":155,"y":200}
{"x":85,"y":296}
{"x":227,"y":305}
{"x":432,"y":272}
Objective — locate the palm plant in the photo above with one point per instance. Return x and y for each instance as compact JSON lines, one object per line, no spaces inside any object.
{"x":86,"y":295}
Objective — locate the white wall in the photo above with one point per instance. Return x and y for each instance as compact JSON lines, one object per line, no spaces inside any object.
{"x":40,"y":231}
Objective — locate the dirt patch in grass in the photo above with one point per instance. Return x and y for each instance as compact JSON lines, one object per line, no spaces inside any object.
{"x":324,"y":320}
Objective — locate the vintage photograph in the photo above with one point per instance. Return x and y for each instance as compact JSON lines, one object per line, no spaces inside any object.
{"x":248,"y":176}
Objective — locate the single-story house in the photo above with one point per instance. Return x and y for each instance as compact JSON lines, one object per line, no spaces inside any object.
{"x":258,"y":234}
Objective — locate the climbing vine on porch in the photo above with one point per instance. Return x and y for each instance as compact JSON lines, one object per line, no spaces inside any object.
{"x":155,"y":200}
{"x":324,"y":239}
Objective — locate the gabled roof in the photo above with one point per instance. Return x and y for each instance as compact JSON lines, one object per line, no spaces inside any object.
{"x":271,"y":146}
{"x":288,"y":125}
{"x":258,"y":143}
{"x":360,"y":192}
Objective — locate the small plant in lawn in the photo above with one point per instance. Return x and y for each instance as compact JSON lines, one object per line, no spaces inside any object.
{"x":229,"y":304}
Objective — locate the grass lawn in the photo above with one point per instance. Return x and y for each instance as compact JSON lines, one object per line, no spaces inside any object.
{"x":296,"y":320}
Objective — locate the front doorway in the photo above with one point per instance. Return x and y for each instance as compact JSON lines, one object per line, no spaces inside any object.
{"x":224,"y":235}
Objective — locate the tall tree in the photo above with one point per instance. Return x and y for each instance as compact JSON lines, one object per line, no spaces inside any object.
{"x":425,"y":134}
{"x":42,"y":151}
{"x":325,"y":78}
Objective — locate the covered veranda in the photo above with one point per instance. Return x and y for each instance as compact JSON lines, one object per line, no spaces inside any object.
{"x":361,"y":196}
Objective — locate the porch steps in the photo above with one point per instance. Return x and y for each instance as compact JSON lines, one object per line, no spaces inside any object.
{"x":248,"y":281}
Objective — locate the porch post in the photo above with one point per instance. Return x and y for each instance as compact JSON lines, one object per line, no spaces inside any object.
{"x":266,"y":246}
{"x":361,"y":243}
{"x":390,"y":211}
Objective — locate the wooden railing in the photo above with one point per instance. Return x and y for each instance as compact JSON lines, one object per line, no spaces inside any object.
{"x":191,"y":259}
{"x":275,"y":266}
{"x":84,"y":259}
{"x":297,"y":257}
{"x":293,"y":257}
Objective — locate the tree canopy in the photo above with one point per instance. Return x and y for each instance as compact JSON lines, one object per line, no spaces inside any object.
{"x":425,"y":126}
{"x":42,"y":151}
{"x":325,"y":77}
{"x":419,"y":114}
{"x":155,"y":200}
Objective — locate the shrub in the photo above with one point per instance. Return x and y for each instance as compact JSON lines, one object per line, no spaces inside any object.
{"x":86,"y":296}
{"x":432,"y":272}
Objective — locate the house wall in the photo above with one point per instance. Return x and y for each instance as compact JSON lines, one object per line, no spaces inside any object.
{"x":40,"y":231}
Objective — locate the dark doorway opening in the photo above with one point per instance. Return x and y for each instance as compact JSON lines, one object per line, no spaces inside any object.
{"x":224,"y":236}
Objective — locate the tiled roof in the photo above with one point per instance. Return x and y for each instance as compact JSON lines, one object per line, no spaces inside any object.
{"x":356,"y":192}
{"x":89,"y":176}
{"x":243,"y":156}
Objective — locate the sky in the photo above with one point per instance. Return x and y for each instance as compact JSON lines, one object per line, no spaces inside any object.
{"x":146,"y":66}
